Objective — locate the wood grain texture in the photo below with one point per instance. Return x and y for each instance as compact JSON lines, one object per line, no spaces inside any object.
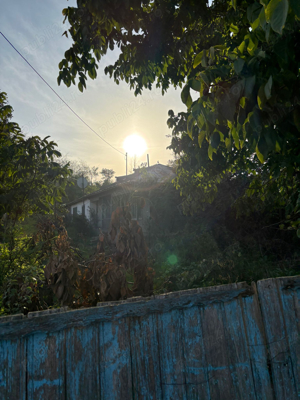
{"x":231,"y":342}
{"x":13,"y":369}
{"x":196,"y":369}
{"x":146,"y":377}
{"x":256,"y":343}
{"x":115,"y":361}
{"x":172,"y":371}
{"x":220,"y":379}
{"x":46,"y":366}
{"x":47,"y":321}
{"x":82,"y":360}
{"x":277,"y":335}
{"x":238,"y":351}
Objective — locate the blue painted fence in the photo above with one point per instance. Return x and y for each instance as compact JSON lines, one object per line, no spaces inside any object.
{"x":226,"y":342}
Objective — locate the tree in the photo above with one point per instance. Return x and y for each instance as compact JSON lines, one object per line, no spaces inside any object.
{"x":107,"y":175}
{"x":30,"y":182}
{"x":80,"y":169}
{"x":241,"y":59}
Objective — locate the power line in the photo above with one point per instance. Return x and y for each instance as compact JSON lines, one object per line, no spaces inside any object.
{"x":61,"y":97}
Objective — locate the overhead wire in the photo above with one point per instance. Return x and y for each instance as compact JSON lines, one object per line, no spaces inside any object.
{"x":50,"y":87}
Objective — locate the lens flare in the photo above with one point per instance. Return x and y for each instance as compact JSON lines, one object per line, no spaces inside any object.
{"x":135,"y":145}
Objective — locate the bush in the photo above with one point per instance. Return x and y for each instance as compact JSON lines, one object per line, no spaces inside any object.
{"x":22,"y":291}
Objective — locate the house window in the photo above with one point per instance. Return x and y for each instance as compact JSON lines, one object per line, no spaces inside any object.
{"x":74,"y":210}
{"x":106,"y":207}
{"x":136,"y":210}
{"x":83,"y":209}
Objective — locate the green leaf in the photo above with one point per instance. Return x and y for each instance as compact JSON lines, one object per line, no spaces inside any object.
{"x":228,"y":144}
{"x":190,"y":125}
{"x":210,"y":152}
{"x":295,"y":5}
{"x":235,"y":135}
{"x":201,"y":137}
{"x":233,"y":3}
{"x":276,"y":14}
{"x":238,"y":65}
{"x":195,"y":85}
{"x":253,"y":12}
{"x":261,"y":97}
{"x":268,"y":88}
{"x":80,"y":87}
{"x":200,"y":121}
{"x":259,"y":155}
{"x":242,"y":47}
{"x":243,"y":102}
{"x":198,"y":59}
{"x":196,"y":110}
{"x":186,"y":97}
{"x":249,"y":85}
{"x":204,"y":59}
{"x":215,"y":140}
{"x":263,"y":148}
{"x":252,"y":45}
{"x":234,"y":29}
{"x":255,"y":24}
{"x":205,"y":79}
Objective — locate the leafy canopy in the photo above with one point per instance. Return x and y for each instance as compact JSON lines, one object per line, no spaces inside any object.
{"x":30,"y":180}
{"x":238,"y":62}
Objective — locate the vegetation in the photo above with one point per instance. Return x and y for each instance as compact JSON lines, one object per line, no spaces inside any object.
{"x":240,"y":59}
{"x":80,"y":169}
{"x":235,"y":210}
{"x":31,"y":182}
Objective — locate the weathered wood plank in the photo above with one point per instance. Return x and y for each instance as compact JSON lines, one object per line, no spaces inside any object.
{"x":115,"y":361}
{"x":256,"y":343}
{"x":12,"y":370}
{"x":285,"y":386}
{"x":45,"y":366}
{"x":238,"y":352}
{"x":47,"y":321}
{"x":82,"y":363}
{"x":290,"y":293}
{"x":219,"y":368}
{"x":171,"y":355}
{"x":145,"y":359}
{"x":194,"y":356}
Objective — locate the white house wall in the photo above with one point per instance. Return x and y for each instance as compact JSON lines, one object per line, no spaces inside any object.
{"x":79,"y":205}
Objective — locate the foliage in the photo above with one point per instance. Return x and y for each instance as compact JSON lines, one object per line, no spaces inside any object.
{"x":81,"y":231}
{"x":213,"y":247}
{"x":157,"y":39}
{"x":77,"y":282}
{"x":107,"y":175}
{"x":22,"y":291}
{"x":80,"y":169}
{"x":247,"y":113}
{"x":241,"y":57}
{"x":31,"y":181}
{"x":22,"y":264}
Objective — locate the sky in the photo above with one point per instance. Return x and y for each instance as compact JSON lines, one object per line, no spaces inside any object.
{"x":35,"y":28}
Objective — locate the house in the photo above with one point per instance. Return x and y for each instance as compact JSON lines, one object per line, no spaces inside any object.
{"x":133,"y":189}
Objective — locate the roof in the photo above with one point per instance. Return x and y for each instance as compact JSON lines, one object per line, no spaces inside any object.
{"x":159,"y":173}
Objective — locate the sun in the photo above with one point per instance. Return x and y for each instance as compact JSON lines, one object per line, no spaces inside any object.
{"x":135,"y":145}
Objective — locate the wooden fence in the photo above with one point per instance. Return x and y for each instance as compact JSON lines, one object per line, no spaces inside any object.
{"x":227,"y":342}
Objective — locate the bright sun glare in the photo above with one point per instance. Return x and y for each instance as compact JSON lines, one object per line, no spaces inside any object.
{"x":135,"y":145}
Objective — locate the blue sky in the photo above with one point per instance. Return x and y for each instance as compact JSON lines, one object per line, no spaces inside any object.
{"x":35,"y":28}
